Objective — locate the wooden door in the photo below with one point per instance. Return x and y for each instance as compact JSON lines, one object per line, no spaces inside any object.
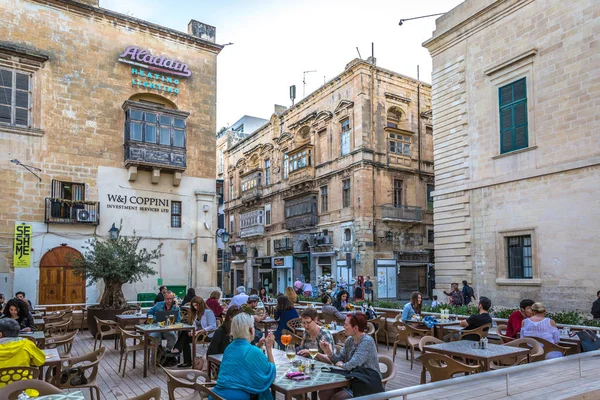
{"x":58,"y":284}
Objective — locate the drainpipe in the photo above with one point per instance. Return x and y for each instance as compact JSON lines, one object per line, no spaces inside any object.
{"x":419,"y":122}
{"x":374,"y":232}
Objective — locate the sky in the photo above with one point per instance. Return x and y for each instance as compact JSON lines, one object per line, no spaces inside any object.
{"x":274,"y":42}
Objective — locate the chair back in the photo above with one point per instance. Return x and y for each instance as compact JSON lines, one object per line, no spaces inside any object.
{"x":390,"y":369}
{"x":59,"y":327}
{"x":129,"y":312}
{"x":72,"y":369}
{"x":65,"y":340}
{"x":206,"y":388}
{"x":535,"y":348}
{"x":185,"y":316}
{"x":427,"y":340}
{"x":294,"y":324}
{"x":501,"y":330}
{"x":370,"y":329}
{"x":152,"y":394}
{"x":481,"y":332}
{"x":182,"y":378}
{"x":328,"y":318}
{"x":12,"y":391}
{"x":9,"y":375}
{"x":547,"y":347}
{"x":406,"y":330}
{"x":441,"y":367}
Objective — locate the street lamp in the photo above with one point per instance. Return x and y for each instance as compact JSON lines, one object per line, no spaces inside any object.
{"x":422,"y":16}
{"x":224,"y":235}
{"x":113,"y":232}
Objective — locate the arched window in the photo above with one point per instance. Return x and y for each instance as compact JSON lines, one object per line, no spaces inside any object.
{"x":347,"y":235}
{"x":394,"y":117}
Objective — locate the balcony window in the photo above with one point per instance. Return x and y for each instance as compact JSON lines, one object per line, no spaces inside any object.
{"x":399,"y":144}
{"x":300,"y":160}
{"x":251,"y":218}
{"x":250,"y":182}
{"x":155,"y":128}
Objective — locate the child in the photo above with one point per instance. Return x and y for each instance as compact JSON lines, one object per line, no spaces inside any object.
{"x":434,"y":303}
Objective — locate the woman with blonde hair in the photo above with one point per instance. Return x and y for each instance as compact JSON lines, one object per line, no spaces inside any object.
{"x":204,"y":322}
{"x":540,"y":326}
{"x":236,"y":380}
{"x":290,"y":293}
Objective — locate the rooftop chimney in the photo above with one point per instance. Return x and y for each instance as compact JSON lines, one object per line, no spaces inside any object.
{"x":202,"y":31}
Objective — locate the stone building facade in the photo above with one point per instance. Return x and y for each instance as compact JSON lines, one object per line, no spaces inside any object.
{"x":516,"y":102}
{"x":336,"y":185}
{"x":116,"y":118}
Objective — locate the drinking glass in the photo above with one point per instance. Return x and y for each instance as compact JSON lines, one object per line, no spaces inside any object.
{"x":290,"y":352}
{"x":313,"y":351}
{"x":150,"y":319}
{"x":171,"y":319}
{"x":286,"y":339}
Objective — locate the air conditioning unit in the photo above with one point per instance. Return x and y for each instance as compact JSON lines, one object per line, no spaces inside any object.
{"x":86,"y":216}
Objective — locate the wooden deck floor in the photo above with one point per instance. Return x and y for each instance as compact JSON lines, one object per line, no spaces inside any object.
{"x":551,"y":382}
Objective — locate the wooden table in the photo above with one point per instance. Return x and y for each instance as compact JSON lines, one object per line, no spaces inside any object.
{"x":319,"y":380}
{"x":52,"y":361}
{"x":147,"y":329}
{"x":37,"y":336}
{"x":464,"y":349}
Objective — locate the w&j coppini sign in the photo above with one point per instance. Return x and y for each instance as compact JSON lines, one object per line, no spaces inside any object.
{"x":153,"y":72}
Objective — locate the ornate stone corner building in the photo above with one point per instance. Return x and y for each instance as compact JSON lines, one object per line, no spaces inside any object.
{"x":337,"y":184}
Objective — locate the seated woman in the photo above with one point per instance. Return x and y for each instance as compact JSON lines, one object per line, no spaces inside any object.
{"x":19,"y":311}
{"x":291,"y":294}
{"x":412,"y":308}
{"x":359,"y":351}
{"x":540,"y":326}
{"x":284,"y":312}
{"x":329,"y":311}
{"x":313,"y":335}
{"x":222,"y":336}
{"x":244,"y":370}
{"x":341,"y":301}
{"x":214,"y":305}
{"x":262,"y":294}
{"x":191,"y":293}
{"x":204,"y":322}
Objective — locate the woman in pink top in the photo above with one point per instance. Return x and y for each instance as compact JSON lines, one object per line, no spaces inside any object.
{"x":540,"y":326}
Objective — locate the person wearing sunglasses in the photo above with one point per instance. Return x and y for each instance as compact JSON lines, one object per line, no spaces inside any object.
{"x":359,"y":351}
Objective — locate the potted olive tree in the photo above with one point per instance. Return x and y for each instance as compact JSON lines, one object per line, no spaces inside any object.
{"x":115,"y":261}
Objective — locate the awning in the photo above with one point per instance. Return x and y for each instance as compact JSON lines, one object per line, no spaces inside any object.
{"x":324,"y":254}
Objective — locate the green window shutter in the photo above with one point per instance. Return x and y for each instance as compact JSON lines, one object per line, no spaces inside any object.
{"x":513,"y":116}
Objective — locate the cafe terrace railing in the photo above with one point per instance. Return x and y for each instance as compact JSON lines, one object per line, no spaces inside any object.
{"x":464,"y":381}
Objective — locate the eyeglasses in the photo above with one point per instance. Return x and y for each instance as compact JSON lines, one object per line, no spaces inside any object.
{"x":307,"y":322}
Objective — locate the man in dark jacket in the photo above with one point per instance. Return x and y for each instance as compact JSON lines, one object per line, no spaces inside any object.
{"x":596,"y":307}
{"x":468,"y":293}
{"x":161,"y":294}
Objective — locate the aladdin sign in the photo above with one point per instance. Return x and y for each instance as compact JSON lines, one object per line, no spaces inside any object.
{"x":142,"y":58}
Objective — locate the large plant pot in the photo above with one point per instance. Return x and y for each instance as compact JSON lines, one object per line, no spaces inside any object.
{"x":101,"y":314}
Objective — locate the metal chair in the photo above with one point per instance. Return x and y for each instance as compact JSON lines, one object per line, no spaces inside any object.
{"x":390,"y":369}
{"x":152,"y":394}
{"x":183,"y":378}
{"x":9,"y":375}
{"x":408,"y":336}
{"x":441,"y":367}
{"x":12,"y":391}
{"x":111,"y":330}
{"x":75,"y":367}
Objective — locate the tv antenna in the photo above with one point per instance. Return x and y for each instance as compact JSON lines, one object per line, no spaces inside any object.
{"x":304,"y":81}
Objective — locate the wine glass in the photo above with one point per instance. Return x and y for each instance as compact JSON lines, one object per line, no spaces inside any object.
{"x":313,"y":350}
{"x":290,"y":353}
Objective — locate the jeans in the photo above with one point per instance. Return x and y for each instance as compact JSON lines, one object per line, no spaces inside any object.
{"x":170,"y":336}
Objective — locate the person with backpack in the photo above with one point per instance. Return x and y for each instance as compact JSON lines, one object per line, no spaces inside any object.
{"x":468,"y":293}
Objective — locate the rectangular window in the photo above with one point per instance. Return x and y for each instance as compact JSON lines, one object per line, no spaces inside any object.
{"x":230,"y":189}
{"x":152,"y":127}
{"x":300,"y":160}
{"x":220,"y":171}
{"x":175,"y":214}
{"x":513,"y":116}
{"x":267,"y":214}
{"x":430,"y":189}
{"x":519,"y":257}
{"x":346,"y":136}
{"x":399,"y":144}
{"x":324,"y":199}
{"x":231,"y":224}
{"x":15,"y":98}
{"x":286,"y":165}
{"x":346,"y":193}
{"x":267,"y":172}
{"x":68,"y":190}
{"x":430,"y":236}
{"x":268,"y":248}
{"x":251,"y":218}
{"x":397,"y":193}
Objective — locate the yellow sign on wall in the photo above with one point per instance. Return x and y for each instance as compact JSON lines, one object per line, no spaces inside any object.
{"x":22,"y":249}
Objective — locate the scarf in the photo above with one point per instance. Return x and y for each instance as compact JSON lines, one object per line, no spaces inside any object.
{"x":245,"y":367}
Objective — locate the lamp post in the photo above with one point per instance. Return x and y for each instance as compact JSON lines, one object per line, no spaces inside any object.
{"x":113,"y":232}
{"x":422,"y":16}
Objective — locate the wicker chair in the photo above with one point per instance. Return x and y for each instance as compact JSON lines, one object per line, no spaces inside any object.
{"x":127,"y":348}
{"x":64,"y":341}
{"x":294,"y":324}
{"x":152,"y":394}
{"x":14,"y":374}
{"x":409,"y":337}
{"x":380,"y":323}
{"x":390,"y":369}
{"x":183,"y":378}
{"x":482,"y":332}
{"x":12,"y":391}
{"x":106,"y":328}
{"x":200,"y":338}
{"x":74,"y":367}
{"x":547,"y":348}
{"x":526,"y":343}
{"x":442,"y":367}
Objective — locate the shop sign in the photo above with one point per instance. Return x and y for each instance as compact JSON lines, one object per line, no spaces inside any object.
{"x":138,"y":203}
{"x":282,"y":262}
{"x":142,"y":58}
{"x":22,"y":246}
